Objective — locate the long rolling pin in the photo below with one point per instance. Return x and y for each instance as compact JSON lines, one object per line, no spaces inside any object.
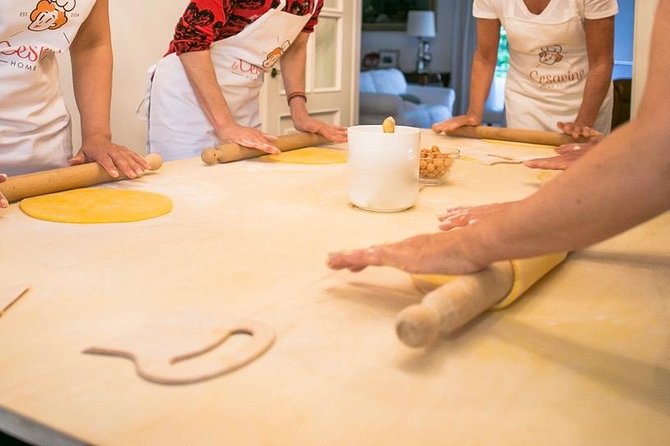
{"x":515,"y":135}
{"x":226,"y":153}
{"x":451,"y":306}
{"x":49,"y":181}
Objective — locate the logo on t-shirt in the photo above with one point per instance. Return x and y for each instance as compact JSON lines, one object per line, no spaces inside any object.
{"x":50,"y":14}
{"x":550,"y":55}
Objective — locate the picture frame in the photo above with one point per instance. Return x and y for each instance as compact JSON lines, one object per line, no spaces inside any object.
{"x":388,"y":58}
{"x":391,"y":15}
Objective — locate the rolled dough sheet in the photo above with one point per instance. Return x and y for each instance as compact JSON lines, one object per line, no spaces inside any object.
{"x":9,"y":295}
{"x":310,"y":155}
{"x":97,"y":206}
{"x":526,"y":273}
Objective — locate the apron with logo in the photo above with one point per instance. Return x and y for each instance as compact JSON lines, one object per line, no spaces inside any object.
{"x":548,"y":70}
{"x":35,"y":129}
{"x":178,"y":128}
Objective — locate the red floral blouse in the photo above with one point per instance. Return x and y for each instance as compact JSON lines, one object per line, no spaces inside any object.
{"x":206,"y":21}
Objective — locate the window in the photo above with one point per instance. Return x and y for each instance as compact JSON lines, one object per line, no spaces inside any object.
{"x":503,"y":55}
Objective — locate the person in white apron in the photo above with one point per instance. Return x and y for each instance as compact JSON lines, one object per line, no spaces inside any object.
{"x":561,"y":58}
{"x":202,"y":98}
{"x":35,"y":131}
{"x":578,"y":208}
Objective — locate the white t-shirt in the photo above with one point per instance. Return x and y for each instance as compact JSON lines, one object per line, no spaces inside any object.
{"x":557,"y":11}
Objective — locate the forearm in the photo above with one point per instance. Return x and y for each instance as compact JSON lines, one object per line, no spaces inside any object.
{"x":91,"y":58}
{"x":605,"y":183}
{"x":293,"y":64}
{"x":92,"y":82}
{"x":600,"y":50}
{"x":596,"y":89}
{"x":483,"y":68}
{"x":202,"y":77}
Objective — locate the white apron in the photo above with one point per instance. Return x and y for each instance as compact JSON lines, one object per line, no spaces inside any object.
{"x":548,"y":69}
{"x":35,"y":129}
{"x":178,"y":128}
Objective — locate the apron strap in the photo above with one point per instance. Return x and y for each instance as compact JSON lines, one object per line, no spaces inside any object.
{"x":582,"y":9}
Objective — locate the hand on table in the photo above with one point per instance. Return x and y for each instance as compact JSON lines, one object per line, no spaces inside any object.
{"x":577,"y":130}
{"x":112,"y":157}
{"x":3,"y":201}
{"x":249,"y":137}
{"x":567,"y":155}
{"x":423,"y":254}
{"x":455,"y":123}
{"x":334,"y":133}
{"x":469,"y":215}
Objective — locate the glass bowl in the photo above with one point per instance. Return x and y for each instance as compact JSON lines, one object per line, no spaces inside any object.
{"x":435,"y":164}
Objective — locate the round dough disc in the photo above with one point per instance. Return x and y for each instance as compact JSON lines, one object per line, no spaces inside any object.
{"x":96,"y":206}
{"x":311,"y":155}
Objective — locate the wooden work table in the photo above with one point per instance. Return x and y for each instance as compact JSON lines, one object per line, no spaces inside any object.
{"x":582,"y":359}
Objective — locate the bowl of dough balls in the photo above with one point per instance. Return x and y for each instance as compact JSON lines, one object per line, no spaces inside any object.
{"x":435,"y":164}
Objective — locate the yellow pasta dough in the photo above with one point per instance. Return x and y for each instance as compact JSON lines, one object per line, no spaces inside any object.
{"x":97,"y":206}
{"x":311,"y":155}
{"x":526,"y":273}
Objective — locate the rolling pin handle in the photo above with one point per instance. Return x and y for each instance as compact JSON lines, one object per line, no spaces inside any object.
{"x":452,"y":305}
{"x":155,"y":161}
{"x":418,"y":326}
{"x":210,"y":156}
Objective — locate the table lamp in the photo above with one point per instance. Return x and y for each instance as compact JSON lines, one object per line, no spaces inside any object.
{"x":422,"y":25}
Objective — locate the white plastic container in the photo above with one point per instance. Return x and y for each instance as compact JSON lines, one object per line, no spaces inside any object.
{"x":383,"y":167}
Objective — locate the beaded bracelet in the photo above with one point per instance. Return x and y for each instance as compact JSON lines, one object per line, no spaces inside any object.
{"x":297,"y":94}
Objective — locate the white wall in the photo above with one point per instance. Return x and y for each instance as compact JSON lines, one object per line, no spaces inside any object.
{"x":141,"y":32}
{"x":373,"y":41}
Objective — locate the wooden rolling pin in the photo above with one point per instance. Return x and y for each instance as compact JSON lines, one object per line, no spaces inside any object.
{"x":449,"y":307}
{"x":515,"y":135}
{"x":459,"y":299}
{"x":49,"y":181}
{"x":226,"y":153}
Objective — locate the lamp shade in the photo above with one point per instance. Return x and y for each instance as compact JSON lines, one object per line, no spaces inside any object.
{"x":421,"y":23}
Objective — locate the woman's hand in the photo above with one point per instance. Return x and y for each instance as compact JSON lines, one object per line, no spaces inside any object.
{"x":422,"y":254}
{"x":567,"y":155}
{"x":334,"y":133}
{"x":455,"y":123}
{"x":3,"y":201}
{"x":466,"y":215}
{"x":577,"y":130}
{"x":249,"y":137}
{"x":115,"y":159}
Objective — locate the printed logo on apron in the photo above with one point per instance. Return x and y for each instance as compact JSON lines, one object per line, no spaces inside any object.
{"x":274,"y":55}
{"x":50,"y":14}
{"x":47,"y":15}
{"x":550,"y":55}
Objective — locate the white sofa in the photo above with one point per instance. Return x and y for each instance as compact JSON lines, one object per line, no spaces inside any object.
{"x":385,"y":93}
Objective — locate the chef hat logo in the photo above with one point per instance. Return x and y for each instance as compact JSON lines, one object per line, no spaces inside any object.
{"x":550,"y":55}
{"x":50,"y":14}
